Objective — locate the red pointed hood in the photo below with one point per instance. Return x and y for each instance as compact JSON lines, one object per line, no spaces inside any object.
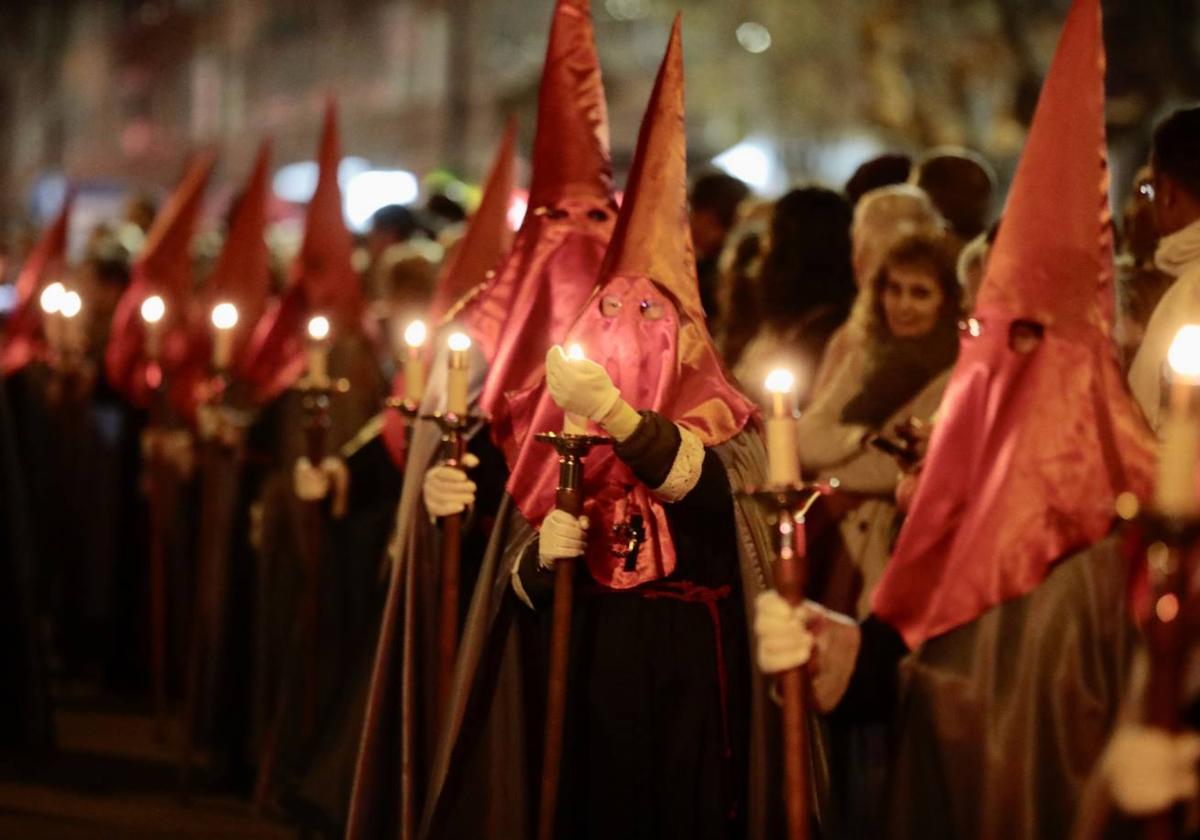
{"x":323,"y":267}
{"x":543,"y":282}
{"x":488,"y":235}
{"x":163,"y":268}
{"x":324,"y":281}
{"x":570,"y":152}
{"x":482,"y":247}
{"x":645,"y":325}
{"x":242,"y":275}
{"x":44,"y":261}
{"x":1036,"y":437}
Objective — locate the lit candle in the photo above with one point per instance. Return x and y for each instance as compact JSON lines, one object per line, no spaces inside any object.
{"x":153,"y":310}
{"x":573,"y":424}
{"x":783,"y":462}
{"x":1175,"y":491}
{"x":69,"y":308}
{"x":456,"y":382}
{"x":51,"y":303}
{"x":224,"y":319}
{"x":318,"y":351}
{"x":414,"y":362}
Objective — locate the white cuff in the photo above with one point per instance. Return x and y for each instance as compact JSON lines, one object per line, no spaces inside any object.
{"x":518,"y":587}
{"x":685,"y":472}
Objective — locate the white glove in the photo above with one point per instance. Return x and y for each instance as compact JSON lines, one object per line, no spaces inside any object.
{"x":784,"y":640}
{"x":447,"y":489}
{"x":584,"y":388}
{"x":1149,"y":769}
{"x":579,"y":386}
{"x":310,"y":483}
{"x":562,"y":537}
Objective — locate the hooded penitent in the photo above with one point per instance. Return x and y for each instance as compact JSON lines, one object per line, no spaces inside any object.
{"x":539,"y":288}
{"x":525,"y":306}
{"x":644,"y":323}
{"x":323,"y":282}
{"x":1038,"y":434}
{"x":241,"y":277}
{"x":488,"y":234}
{"x":478,"y":252}
{"x":20,"y":337}
{"x":163,"y":268}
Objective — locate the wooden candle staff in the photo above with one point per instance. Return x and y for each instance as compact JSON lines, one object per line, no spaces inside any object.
{"x":789,"y":502}
{"x":220,"y":430}
{"x":1175,"y":518}
{"x":453,"y":422}
{"x":316,"y":390}
{"x":572,"y":445}
{"x":316,"y":430}
{"x":153,"y":310}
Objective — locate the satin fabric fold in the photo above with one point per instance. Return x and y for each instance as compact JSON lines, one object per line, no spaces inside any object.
{"x":645,"y":325}
{"x":1038,"y":434}
{"x":22,"y":341}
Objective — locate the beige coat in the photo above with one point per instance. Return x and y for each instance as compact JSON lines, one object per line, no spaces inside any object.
{"x":867,"y":479}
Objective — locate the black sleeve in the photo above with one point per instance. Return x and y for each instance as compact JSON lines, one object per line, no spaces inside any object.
{"x":650,"y":452}
{"x":872,"y":692}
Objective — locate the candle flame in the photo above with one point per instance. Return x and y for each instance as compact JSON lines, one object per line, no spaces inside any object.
{"x":153,"y":309}
{"x":1184,"y":355}
{"x":780,"y":381}
{"x":459,"y":342}
{"x":71,"y":304}
{"x":51,"y":299}
{"x":415,"y":334}
{"x":224,"y":316}
{"x":575,"y":351}
{"x":318,"y":328}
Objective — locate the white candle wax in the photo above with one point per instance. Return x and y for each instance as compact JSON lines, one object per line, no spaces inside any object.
{"x":783,"y":461}
{"x":456,"y":380}
{"x":222,"y":349}
{"x":318,"y":364}
{"x":1175,"y":489}
{"x":414,"y":376}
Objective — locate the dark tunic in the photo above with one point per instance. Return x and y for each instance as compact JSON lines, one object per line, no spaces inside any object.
{"x":322,"y":795}
{"x":997,"y":724}
{"x":25,"y":712}
{"x":656,"y":741}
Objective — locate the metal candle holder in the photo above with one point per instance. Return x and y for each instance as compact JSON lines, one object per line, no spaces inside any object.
{"x":789,"y":505}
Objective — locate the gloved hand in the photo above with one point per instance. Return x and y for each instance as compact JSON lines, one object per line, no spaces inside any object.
{"x":1149,"y":769}
{"x":448,"y":490}
{"x":792,"y":636}
{"x":311,"y":483}
{"x":784,"y":640}
{"x":563,"y":536}
{"x":584,"y":388}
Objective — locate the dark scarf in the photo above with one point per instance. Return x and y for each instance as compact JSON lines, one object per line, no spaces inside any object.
{"x":897,"y":370}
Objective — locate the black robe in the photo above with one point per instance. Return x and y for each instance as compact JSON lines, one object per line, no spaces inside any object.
{"x":401,"y":714}
{"x":25,"y":711}
{"x":321,"y":794}
{"x":999,"y":723}
{"x":658,"y":712}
